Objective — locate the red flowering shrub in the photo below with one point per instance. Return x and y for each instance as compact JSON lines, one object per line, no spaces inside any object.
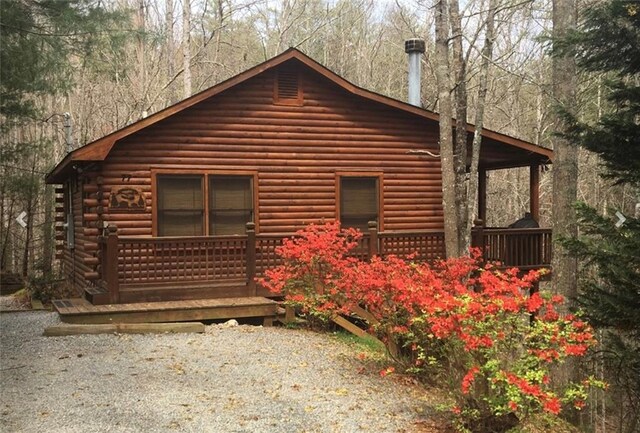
{"x":475,"y":325}
{"x":314,"y":260}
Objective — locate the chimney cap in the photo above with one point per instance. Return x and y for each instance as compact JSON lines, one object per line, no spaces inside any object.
{"x":414,"y":45}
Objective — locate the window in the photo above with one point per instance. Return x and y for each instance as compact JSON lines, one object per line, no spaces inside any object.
{"x":180,"y":206}
{"x":230,"y":204}
{"x":358,"y":201}
{"x":203,"y":204}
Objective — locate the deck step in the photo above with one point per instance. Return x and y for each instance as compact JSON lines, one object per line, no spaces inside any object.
{"x":96,"y":295}
{"x":183,"y":292}
{"x":81,"y":311}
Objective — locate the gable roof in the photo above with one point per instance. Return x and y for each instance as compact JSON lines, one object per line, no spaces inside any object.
{"x":100,"y":148}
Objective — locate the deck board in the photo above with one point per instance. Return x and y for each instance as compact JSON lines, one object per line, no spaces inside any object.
{"x":80,"y":311}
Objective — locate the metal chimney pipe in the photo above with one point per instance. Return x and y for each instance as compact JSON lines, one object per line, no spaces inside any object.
{"x":415,"y":47}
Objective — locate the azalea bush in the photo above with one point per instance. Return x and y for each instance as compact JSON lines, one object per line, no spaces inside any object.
{"x":473,"y":326}
{"x":314,"y":260}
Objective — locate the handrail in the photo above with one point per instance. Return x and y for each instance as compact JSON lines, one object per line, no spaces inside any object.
{"x":163,"y":239}
{"x":411,"y":232}
{"x":523,"y":231}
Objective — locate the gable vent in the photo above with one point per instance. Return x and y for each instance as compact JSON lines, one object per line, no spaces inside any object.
{"x":288,"y":91}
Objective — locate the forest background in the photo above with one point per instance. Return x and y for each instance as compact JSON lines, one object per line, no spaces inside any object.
{"x":75,"y":70}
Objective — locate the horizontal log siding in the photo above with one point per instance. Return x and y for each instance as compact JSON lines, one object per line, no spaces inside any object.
{"x":73,"y":260}
{"x":296,"y":151}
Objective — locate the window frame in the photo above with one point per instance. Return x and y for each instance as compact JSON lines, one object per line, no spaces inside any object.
{"x":210,"y":179}
{"x":378,"y":176}
{"x":205,"y":173}
{"x":201,"y":179}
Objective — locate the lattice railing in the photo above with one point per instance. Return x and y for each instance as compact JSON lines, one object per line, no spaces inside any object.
{"x":181,"y":259}
{"x":423,"y":246}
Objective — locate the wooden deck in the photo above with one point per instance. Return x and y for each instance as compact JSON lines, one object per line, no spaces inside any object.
{"x":81,"y":311}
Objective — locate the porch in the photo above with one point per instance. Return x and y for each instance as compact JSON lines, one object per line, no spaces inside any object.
{"x":157,"y":269}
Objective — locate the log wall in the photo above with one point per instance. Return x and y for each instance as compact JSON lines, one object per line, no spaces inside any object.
{"x":79,"y":264}
{"x":295,"y":150}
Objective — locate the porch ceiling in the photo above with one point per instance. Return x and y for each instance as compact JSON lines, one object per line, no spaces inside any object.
{"x":497,"y":154}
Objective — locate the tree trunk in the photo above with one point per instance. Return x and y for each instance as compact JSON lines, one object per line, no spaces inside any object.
{"x":26,"y":252}
{"x":565,"y":178}
{"x":6,"y":251}
{"x":186,"y":47}
{"x":565,"y":164}
{"x":170,"y":50}
{"x":446,"y":137}
{"x":142,"y":70}
{"x":459,"y":67}
{"x":487,"y":54}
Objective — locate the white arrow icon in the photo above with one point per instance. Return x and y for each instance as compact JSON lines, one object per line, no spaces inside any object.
{"x":621,"y":219}
{"x":21,"y":220}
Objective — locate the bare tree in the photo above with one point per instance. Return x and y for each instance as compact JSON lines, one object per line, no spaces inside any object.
{"x":565,"y":174}
{"x":459,"y":70}
{"x":487,"y":55}
{"x":141,"y":24}
{"x":565,"y":164}
{"x":447,"y":156}
{"x":169,"y":40}
{"x":186,"y":47}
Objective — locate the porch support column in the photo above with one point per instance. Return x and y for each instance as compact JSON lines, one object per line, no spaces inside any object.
{"x":110,"y":264}
{"x":251,"y":259}
{"x":482,"y":195}
{"x":534,"y":191}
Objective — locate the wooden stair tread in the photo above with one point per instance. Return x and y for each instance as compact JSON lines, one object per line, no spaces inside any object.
{"x":83,"y":312}
{"x":95,"y":290}
{"x":62,"y":304}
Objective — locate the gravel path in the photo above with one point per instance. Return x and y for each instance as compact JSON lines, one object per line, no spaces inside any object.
{"x":230,"y":379}
{"x":12,"y":303}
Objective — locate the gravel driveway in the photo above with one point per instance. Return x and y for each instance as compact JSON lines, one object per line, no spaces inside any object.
{"x":230,"y":379}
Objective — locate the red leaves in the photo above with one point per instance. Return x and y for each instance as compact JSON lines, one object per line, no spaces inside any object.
{"x":552,"y":405}
{"x":468,"y":379}
{"x":484,"y":314}
{"x":534,"y":303}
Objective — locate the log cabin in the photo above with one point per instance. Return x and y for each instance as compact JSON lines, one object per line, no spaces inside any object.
{"x":191,"y":202}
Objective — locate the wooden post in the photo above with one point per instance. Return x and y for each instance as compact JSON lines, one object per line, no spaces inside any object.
{"x":251,"y":258}
{"x":111,"y":265}
{"x":373,"y":238}
{"x":534,"y":191}
{"x":482,"y":194}
{"x":477,"y":235}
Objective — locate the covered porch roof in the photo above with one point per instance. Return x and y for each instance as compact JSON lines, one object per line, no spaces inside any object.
{"x":500,"y":152}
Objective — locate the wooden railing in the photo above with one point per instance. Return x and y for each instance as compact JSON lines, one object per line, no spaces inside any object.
{"x":521,"y":248}
{"x":181,"y":259}
{"x":266,"y":256}
{"x":422,"y":246}
{"x":129,"y":262}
